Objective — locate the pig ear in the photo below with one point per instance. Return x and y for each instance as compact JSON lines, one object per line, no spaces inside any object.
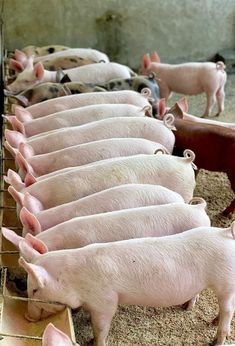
{"x":20,"y":56}
{"x":146,"y":61}
{"x":26,"y":150}
{"x":161,"y":108}
{"x":39,"y":70}
{"x":183,"y":104}
{"x":22,"y":114}
{"x":15,"y":123}
{"x":38,"y":273}
{"x":36,"y":243}
{"x":155,"y":57}
{"x":32,"y":203}
{"x":14,"y":138}
{"x":27,"y":251}
{"x":30,"y":222}
{"x":14,"y":179}
{"x":54,"y":337}
{"x":176,"y":111}
{"x":21,"y":99}
{"x":23,"y":164}
{"x":9,"y":148}
{"x":16,"y":65}
{"x":11,"y":236}
{"x":29,"y":179}
{"x":18,"y":196}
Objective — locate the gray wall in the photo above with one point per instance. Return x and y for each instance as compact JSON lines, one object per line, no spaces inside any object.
{"x":179,"y":30}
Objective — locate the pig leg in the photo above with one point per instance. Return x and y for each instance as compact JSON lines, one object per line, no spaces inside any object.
{"x":226,"y":310}
{"x":165,"y":92}
{"x":210,"y":103}
{"x":220,"y":95}
{"x":230,"y":209}
{"x":101,"y":321}
{"x":191,"y":303}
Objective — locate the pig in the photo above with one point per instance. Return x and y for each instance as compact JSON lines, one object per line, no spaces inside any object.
{"x":52,"y":336}
{"x":135,"y":83}
{"x":93,"y":73}
{"x":175,"y":173}
{"x":55,"y":64}
{"x":73,"y":117}
{"x":83,"y":154}
{"x":116,"y":198}
{"x":137,"y":271}
{"x":213,"y":145}
{"x":148,"y":221}
{"x":180,"y":111}
{"x":41,"y":51}
{"x":85,"y":53}
{"x":47,"y":91}
{"x":190,"y":79}
{"x":208,"y":141}
{"x":120,"y":127}
{"x":76,"y":101}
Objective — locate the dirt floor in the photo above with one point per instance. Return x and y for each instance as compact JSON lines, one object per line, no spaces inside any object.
{"x":138,"y":326}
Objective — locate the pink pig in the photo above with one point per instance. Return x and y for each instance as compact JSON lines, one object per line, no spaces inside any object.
{"x":93,"y":73}
{"x":120,"y":127}
{"x":85,"y":53}
{"x":180,"y":111}
{"x":149,"y":221}
{"x":116,"y":198}
{"x":73,"y":117}
{"x":55,"y":337}
{"x":82,"y":154}
{"x":80,"y":100}
{"x":155,"y":272}
{"x":190,"y":79}
{"x":175,"y":173}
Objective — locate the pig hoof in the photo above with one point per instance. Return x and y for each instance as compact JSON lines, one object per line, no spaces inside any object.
{"x":212,"y":343}
{"x":187,"y":306}
{"x":91,"y":342}
{"x":215,"y":321}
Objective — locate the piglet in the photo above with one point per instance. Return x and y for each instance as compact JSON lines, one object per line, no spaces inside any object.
{"x":47,"y":91}
{"x":175,"y":173}
{"x":54,"y":64}
{"x":52,"y":336}
{"x":116,"y":198}
{"x":213,"y":145}
{"x":93,"y":73}
{"x":180,"y":111}
{"x":82,"y":154}
{"x":120,"y":127}
{"x":81,"y":100}
{"x":149,"y":221}
{"x":137,"y":271}
{"x":190,"y":79}
{"x":73,"y":117}
{"x":41,"y":51}
{"x":50,"y":53}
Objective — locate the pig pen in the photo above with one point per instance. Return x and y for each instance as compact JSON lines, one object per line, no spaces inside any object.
{"x":134,"y":325}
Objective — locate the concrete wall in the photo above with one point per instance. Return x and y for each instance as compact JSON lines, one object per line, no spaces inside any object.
{"x":179,"y":30}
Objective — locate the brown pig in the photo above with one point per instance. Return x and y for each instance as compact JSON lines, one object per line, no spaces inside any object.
{"x":214,"y":147}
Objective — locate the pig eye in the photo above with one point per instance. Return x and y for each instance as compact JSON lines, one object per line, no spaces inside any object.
{"x":35,"y":291}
